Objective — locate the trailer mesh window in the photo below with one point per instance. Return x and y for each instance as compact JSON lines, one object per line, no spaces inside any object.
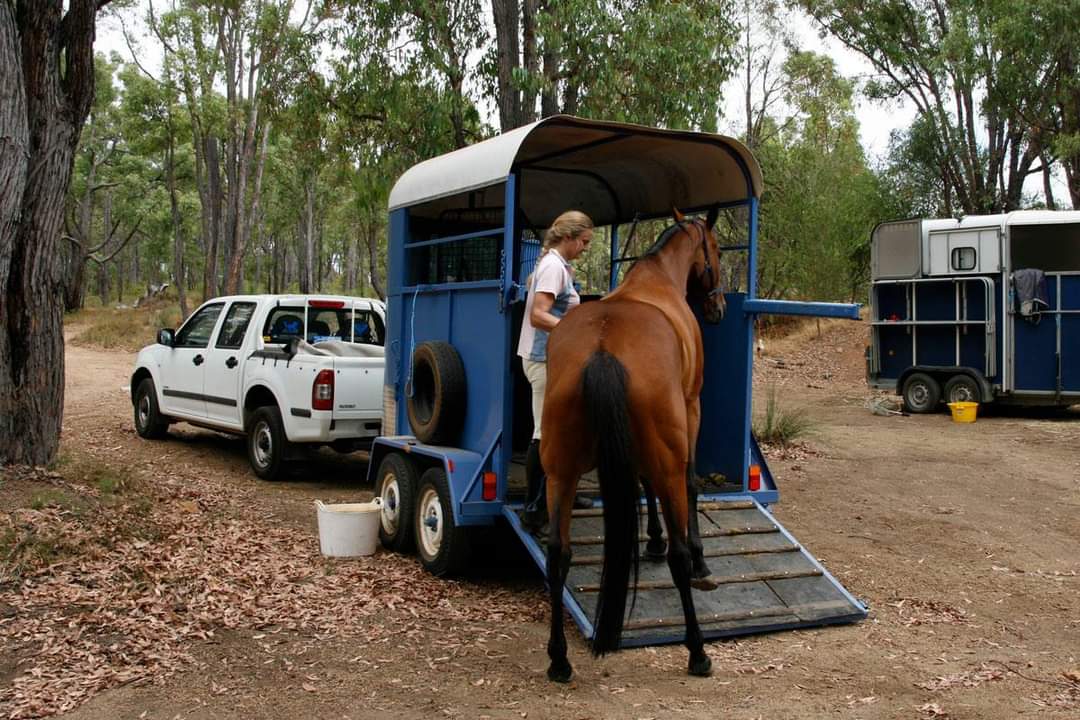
{"x":1051,"y":248}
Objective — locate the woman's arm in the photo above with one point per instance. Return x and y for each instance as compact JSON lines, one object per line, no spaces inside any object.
{"x":541,"y":317}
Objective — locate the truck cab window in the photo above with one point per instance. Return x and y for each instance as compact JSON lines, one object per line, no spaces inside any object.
{"x":197,"y":330}
{"x":235,"y":325}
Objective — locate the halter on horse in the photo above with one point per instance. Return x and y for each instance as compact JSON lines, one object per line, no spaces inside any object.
{"x":624,"y":379}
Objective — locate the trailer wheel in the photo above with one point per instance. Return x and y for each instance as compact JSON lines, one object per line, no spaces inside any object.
{"x":266,"y":443}
{"x":442,"y":546}
{"x":397,"y":488}
{"x":921,"y":393}
{"x":962,"y":388}
{"x":436,"y":407}
{"x":149,"y":422}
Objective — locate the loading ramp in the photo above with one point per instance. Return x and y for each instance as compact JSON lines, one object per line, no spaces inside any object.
{"x":767,"y":580}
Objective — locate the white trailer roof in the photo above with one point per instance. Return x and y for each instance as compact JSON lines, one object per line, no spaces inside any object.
{"x":610,"y":170}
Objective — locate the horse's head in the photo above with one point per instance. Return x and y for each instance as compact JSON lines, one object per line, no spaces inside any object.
{"x":704,"y":284}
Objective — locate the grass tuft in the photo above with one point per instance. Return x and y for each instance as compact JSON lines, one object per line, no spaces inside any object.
{"x":780,"y":425}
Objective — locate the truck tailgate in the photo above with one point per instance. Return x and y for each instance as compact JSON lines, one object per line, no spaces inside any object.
{"x":358,"y":387}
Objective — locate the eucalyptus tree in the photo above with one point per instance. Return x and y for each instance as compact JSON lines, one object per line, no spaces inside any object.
{"x":635,"y":60}
{"x":942,"y":56}
{"x":821,"y":200}
{"x":243,"y":47}
{"x":46,"y":91}
{"x":1040,"y":82}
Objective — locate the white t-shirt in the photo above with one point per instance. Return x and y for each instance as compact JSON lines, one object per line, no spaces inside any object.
{"x":552,"y":275}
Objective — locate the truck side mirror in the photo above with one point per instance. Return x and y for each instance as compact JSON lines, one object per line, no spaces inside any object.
{"x":165,"y":337}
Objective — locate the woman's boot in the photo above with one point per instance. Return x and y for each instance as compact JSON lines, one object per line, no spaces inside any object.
{"x":536,"y":497}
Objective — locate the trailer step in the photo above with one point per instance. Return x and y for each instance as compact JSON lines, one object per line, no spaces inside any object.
{"x":705,"y":534}
{"x":718,"y":579}
{"x":709,"y":553}
{"x":765,"y":579}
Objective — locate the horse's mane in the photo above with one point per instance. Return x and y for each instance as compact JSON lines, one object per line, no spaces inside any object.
{"x":662,"y":239}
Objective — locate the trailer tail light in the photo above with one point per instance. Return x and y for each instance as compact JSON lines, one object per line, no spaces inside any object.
{"x":322,"y":391}
{"x":755,"y":478}
{"x":490,"y":483}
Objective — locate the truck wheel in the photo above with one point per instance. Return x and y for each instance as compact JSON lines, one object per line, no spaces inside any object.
{"x":397,"y":488}
{"x":267,"y":443}
{"x":149,"y":422}
{"x":962,"y":388}
{"x":436,"y":408}
{"x":921,"y":393}
{"x":442,"y":546}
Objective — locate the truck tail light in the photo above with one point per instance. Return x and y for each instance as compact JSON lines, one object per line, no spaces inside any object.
{"x":322,"y":391}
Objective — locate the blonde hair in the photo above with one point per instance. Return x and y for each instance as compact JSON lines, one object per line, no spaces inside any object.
{"x":570,"y":224}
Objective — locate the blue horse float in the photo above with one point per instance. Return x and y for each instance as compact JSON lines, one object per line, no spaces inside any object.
{"x":981,"y":309}
{"x":464,"y":231}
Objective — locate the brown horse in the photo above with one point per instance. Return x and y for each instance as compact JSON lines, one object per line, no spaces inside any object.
{"x":624,"y":379}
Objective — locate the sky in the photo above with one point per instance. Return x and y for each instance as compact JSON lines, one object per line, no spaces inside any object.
{"x":877,"y":120}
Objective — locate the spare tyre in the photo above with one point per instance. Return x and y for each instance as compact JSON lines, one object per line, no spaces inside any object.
{"x":436,"y":406}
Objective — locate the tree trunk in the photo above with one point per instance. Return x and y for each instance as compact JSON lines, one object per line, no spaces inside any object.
{"x":215,"y":196}
{"x":530,"y":59}
{"x":307,"y":231}
{"x":549,"y":99}
{"x":177,"y":222}
{"x":373,"y":251}
{"x":505,"y":13}
{"x":43,"y":106}
{"x":351,"y":255}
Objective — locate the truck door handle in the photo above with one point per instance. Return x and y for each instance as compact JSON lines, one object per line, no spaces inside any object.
{"x":231,"y":362}
{"x":198,"y":359}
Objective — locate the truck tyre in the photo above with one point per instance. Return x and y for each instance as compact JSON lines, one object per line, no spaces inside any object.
{"x":921,"y":393}
{"x":149,"y":422}
{"x":440,"y":543}
{"x":962,"y":388}
{"x":436,"y":407}
{"x":266,"y":443}
{"x":397,"y":487}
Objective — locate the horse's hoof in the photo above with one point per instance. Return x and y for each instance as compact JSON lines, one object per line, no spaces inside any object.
{"x":656,"y":553}
{"x":707,"y":583}
{"x":702,"y":667}
{"x":561,"y":672}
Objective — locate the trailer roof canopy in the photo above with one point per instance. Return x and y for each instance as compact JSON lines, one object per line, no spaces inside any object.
{"x":610,"y":170}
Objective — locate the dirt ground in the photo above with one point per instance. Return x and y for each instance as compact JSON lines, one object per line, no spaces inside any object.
{"x":964,"y":540}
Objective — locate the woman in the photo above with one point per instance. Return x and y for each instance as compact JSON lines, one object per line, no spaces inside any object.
{"x":551,"y":296}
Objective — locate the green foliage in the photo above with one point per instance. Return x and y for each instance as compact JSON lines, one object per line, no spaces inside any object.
{"x":781,"y":425}
{"x":821,"y":200}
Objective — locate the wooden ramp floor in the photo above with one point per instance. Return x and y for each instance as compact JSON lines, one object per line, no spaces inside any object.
{"x":767,"y":580}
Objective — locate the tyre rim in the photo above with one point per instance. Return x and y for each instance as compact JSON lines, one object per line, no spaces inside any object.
{"x":431,"y":523}
{"x":962,"y":393}
{"x":920,"y":394}
{"x":144,"y":411}
{"x":263,"y":447}
{"x":391,"y":504}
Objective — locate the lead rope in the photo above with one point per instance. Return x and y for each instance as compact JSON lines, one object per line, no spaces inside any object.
{"x":412,"y":343}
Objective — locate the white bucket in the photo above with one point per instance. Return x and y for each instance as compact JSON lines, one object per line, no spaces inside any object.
{"x":349,"y":529}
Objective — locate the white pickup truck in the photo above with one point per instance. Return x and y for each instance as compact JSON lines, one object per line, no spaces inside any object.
{"x":280,"y":369}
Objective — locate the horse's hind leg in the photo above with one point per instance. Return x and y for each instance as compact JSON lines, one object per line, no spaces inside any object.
{"x":560,"y":504}
{"x":700,"y":575}
{"x":679,"y":563}
{"x":656,"y":548}
{"x":670,"y":487}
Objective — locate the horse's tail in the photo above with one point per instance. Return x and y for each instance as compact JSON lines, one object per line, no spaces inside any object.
{"x":607,"y":409}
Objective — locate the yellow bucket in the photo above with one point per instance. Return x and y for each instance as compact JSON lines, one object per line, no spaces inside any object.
{"x":964,"y":412}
